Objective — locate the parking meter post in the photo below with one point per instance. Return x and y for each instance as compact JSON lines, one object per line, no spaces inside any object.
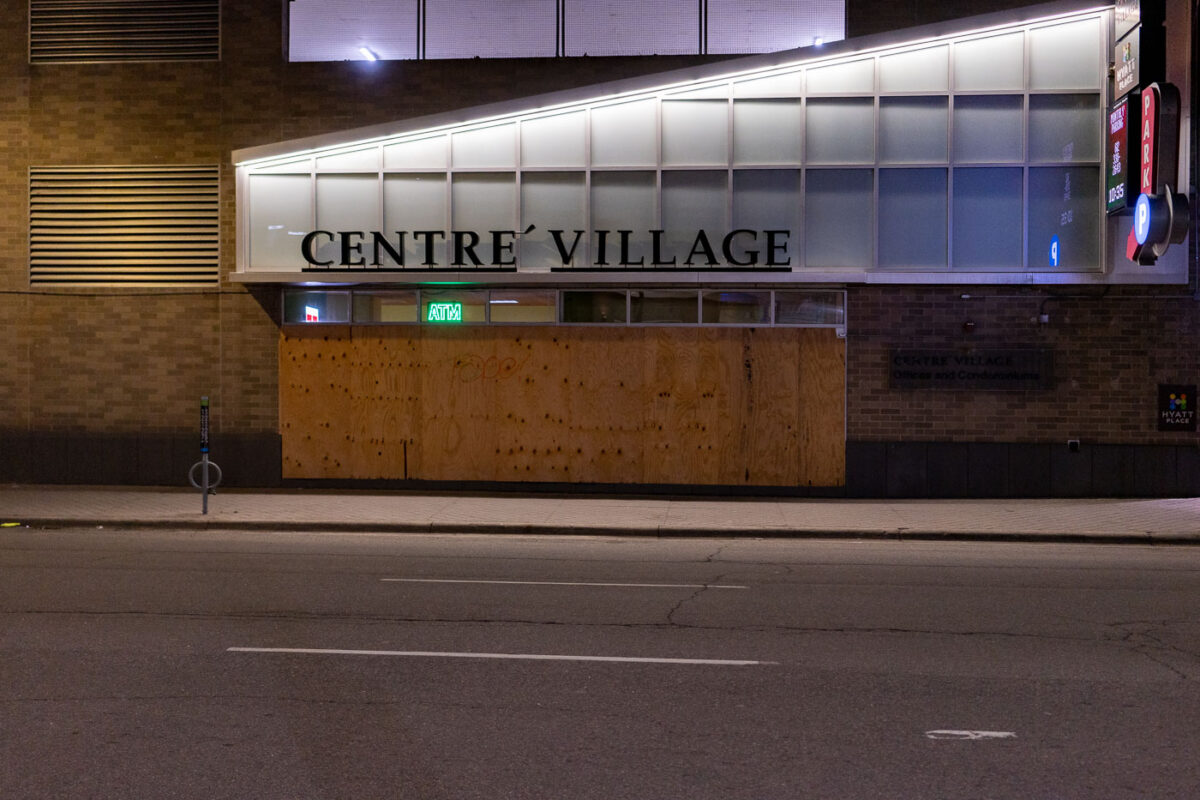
{"x":204,"y":454}
{"x":207,"y":482}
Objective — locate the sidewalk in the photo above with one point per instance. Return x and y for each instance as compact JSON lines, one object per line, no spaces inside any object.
{"x":1173,"y":520}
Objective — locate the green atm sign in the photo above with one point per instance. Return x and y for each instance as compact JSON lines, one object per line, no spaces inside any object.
{"x":444,"y":312}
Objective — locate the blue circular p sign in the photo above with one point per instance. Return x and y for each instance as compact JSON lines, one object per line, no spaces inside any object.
{"x":1141,"y":218}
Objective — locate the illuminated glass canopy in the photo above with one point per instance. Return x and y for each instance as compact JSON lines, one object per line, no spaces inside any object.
{"x":952,"y":158}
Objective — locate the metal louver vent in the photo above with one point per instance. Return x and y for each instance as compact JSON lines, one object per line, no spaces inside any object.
{"x":124,"y":30}
{"x":124,"y":226}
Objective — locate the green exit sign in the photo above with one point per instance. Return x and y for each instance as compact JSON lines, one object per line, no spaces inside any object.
{"x":444,"y":312}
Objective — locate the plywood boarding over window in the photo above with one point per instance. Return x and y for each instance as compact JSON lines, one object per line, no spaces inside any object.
{"x":745,"y":406}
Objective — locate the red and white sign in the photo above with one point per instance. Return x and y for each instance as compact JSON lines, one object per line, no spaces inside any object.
{"x":1150,"y":98}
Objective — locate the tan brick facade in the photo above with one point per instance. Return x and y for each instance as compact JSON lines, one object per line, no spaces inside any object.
{"x":108,"y":362}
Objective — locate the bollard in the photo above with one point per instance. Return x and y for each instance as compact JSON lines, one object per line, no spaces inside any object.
{"x":204,"y":484}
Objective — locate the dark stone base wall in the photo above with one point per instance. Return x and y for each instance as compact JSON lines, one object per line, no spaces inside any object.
{"x":873,"y":469}
{"x":136,"y":459}
{"x":1004,"y":469}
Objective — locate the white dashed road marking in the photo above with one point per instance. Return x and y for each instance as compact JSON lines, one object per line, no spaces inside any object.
{"x":569,"y":583}
{"x":717,"y":662}
{"x":970,"y":735}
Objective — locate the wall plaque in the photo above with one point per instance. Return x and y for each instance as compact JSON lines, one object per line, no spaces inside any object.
{"x":987,"y":370}
{"x":1126,"y":17}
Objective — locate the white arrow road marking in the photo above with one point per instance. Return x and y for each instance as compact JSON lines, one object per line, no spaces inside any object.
{"x":719,"y":662}
{"x":569,"y":583}
{"x":970,"y":735}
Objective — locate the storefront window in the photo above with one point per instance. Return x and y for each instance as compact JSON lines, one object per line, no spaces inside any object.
{"x":602,"y":307}
{"x":522,"y":306}
{"x":809,"y":308}
{"x":316,"y":307}
{"x":385,"y":306}
{"x":663,"y":307}
{"x":434,"y":306}
{"x":453,"y":306}
{"x":736,"y":308}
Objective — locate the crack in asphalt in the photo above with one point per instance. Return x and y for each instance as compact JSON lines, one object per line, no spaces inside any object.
{"x":802,"y":629}
{"x":711,"y":558}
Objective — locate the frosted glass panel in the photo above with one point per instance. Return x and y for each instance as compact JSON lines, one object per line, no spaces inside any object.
{"x":692,"y":202}
{"x":919,"y":71}
{"x":333,"y":30}
{"x":625,"y":135}
{"x":619,"y":27}
{"x":717,"y":91}
{"x":767,"y":200}
{"x":840,"y":131}
{"x":485,"y":147}
{"x":484,"y":202}
{"x":987,"y":217}
{"x":347,"y":202}
{"x":987,"y":128}
{"x":838,"y":218}
{"x":280,"y":216}
{"x":359,"y":159}
{"x":622,"y":201}
{"x":289,"y":167}
{"x":553,"y":201}
{"x":912,"y":217}
{"x":788,"y":83}
{"x":912,"y":129}
{"x":1064,"y":127}
{"x":420,"y":154}
{"x":1065,"y":56}
{"x":855,"y":77}
{"x":417,"y":202}
{"x":695,"y":132}
{"x":996,"y":63}
{"x":763,"y":26}
{"x":767,"y":131}
{"x":558,"y":141}
{"x":1064,"y":203}
{"x":485,"y":28}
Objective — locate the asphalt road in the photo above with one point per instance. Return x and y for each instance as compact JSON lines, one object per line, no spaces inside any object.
{"x":158,"y":664}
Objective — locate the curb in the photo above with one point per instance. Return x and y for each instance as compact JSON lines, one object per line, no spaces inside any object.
{"x":658,"y":531}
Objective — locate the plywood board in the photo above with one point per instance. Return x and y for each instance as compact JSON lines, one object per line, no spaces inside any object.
{"x":314,"y":401}
{"x":385,"y":401}
{"x":630,"y":405}
{"x":822,"y":412}
{"x":670,"y":424}
{"x":603,"y":376}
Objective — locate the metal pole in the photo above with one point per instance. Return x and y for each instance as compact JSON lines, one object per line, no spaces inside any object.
{"x":204,"y":453}
{"x":208,"y":481}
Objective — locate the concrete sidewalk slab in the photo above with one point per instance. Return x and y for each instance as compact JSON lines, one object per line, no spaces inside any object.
{"x":1103,"y":520}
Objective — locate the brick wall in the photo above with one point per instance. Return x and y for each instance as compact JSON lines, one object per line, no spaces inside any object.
{"x":1111,"y":350}
{"x":100,"y":361}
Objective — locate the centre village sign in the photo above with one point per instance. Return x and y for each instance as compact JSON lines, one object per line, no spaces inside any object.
{"x":326,"y":250}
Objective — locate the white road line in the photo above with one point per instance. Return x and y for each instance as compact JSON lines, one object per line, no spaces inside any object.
{"x":718,"y":662}
{"x":570,"y":583}
{"x":970,"y":735}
